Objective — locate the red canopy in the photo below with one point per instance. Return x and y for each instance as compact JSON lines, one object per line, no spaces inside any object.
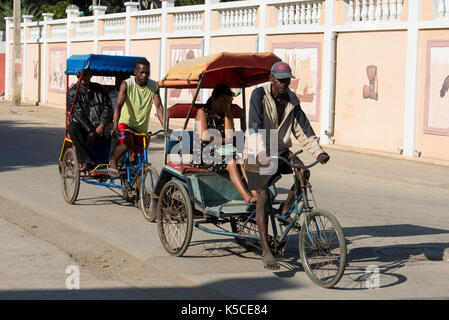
{"x":236,"y":70}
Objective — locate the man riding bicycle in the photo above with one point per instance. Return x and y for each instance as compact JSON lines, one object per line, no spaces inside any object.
{"x":275,"y":112}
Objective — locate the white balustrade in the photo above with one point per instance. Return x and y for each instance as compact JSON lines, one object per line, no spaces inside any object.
{"x":374,"y":11}
{"x":35,"y":33}
{"x":443,"y":10}
{"x":188,"y":21}
{"x":84,"y":29}
{"x":148,"y":24}
{"x":238,"y":18}
{"x":304,"y":12}
{"x":114,"y":26}
{"x":58,"y":31}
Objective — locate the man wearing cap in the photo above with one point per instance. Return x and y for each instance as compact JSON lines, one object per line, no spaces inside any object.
{"x":274,"y":115}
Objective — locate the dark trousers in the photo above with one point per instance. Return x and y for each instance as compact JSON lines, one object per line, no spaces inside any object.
{"x":79,"y":138}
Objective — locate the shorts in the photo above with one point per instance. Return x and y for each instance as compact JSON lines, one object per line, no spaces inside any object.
{"x":258,"y":181}
{"x":135,"y":142}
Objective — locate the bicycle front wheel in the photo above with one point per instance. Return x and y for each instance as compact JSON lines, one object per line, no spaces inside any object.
{"x":322,"y":248}
{"x":147,"y":204}
{"x":174,"y":218}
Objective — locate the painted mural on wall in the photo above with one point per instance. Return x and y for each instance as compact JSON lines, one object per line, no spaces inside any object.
{"x":57,"y":61}
{"x":177,"y":54}
{"x":112,"y":51}
{"x":370,"y":91}
{"x":436,"y":114}
{"x":304,"y":59}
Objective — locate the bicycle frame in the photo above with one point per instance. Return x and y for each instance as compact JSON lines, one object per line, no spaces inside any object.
{"x":299,"y":206}
{"x":142,"y":161}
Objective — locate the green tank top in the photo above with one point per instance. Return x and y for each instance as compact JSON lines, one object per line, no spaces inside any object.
{"x":137,"y":107}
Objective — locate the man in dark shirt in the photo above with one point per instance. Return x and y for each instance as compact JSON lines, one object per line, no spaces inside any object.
{"x":91,"y":117}
{"x":274,"y":115}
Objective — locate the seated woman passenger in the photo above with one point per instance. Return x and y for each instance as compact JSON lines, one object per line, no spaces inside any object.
{"x":217,"y":115}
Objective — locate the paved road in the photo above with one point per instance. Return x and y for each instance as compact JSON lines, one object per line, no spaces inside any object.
{"x":393,"y":212}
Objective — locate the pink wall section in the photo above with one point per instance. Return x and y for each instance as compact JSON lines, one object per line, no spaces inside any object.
{"x":33,"y":73}
{"x":427,"y":10}
{"x":300,"y":41}
{"x":56,"y":96}
{"x":150,"y":50}
{"x":432,"y":144}
{"x":369,"y":123}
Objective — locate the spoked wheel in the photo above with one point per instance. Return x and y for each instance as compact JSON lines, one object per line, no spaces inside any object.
{"x":70,"y":176}
{"x":148,"y":185}
{"x":246,"y":228}
{"x":174,"y":218}
{"x":322,"y":248}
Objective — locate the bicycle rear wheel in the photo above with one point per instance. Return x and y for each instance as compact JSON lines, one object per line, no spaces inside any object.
{"x":322,"y":248}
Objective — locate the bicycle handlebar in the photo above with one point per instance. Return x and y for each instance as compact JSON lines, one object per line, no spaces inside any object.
{"x":297,"y":166}
{"x":149,"y":133}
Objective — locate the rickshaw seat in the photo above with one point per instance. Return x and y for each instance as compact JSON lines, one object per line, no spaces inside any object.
{"x":187,"y":167}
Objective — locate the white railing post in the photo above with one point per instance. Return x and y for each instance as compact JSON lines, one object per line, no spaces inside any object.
{"x":328,"y":88}
{"x":262,"y":37}
{"x":207,"y":37}
{"x":97,"y":12}
{"x":350,"y":16}
{"x":371,"y":12}
{"x":386,"y":10}
{"x":411,"y":78}
{"x":393,"y":10}
{"x":47,"y":17}
{"x":163,"y":47}
{"x":26,"y":20}
{"x":130,"y":8}
{"x":357,"y":11}
{"x":379,"y":11}
{"x":9,"y":23}
{"x":72,"y":14}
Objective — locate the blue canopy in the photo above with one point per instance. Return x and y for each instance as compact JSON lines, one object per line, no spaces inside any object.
{"x":101,"y":64}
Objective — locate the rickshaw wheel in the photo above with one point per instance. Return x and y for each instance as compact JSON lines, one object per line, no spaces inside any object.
{"x":174,"y":218}
{"x":322,"y":248}
{"x":70,"y":176}
{"x":147,"y":204}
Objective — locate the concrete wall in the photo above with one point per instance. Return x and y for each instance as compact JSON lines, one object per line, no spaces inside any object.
{"x":386,"y":78}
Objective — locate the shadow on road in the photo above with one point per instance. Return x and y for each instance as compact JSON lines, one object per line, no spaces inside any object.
{"x":387,"y":259}
{"x":26,"y":144}
{"x":201,"y":292}
{"x":395,"y":230}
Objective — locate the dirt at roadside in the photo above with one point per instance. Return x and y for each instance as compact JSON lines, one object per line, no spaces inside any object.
{"x":103,"y":260}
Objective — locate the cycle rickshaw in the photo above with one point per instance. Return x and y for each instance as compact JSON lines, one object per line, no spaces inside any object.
{"x":189,"y":197}
{"x":131,"y":169}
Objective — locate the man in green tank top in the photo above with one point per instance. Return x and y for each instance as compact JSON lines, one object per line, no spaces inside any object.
{"x":132,"y":111}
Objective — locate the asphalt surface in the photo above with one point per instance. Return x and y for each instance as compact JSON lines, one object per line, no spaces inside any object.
{"x":393,"y":213}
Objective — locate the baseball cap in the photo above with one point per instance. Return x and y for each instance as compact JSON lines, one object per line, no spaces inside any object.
{"x":281,"y":70}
